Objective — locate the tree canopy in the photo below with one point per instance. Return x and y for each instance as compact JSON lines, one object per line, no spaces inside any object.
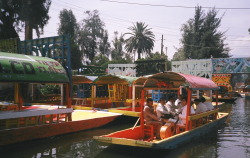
{"x":17,"y":14}
{"x":68,"y":26}
{"x":201,"y":38}
{"x":92,"y":33}
{"x":141,"y":39}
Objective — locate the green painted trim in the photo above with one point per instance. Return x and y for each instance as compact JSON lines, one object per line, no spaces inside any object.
{"x":25,"y":68}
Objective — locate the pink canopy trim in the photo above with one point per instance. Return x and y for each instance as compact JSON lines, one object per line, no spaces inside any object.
{"x":196,"y":82}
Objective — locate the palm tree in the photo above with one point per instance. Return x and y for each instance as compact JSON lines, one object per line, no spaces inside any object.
{"x":141,"y":39}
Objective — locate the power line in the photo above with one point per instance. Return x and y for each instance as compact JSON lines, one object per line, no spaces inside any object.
{"x":168,"y":6}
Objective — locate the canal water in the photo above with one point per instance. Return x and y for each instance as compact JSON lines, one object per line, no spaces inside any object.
{"x":231,"y":141}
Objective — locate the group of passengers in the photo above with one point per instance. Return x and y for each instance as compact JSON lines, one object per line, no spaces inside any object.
{"x":175,"y":109}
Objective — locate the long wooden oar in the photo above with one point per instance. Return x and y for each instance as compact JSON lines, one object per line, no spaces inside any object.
{"x":136,"y":123}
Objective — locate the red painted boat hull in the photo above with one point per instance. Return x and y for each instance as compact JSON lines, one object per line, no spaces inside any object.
{"x":10,"y":136}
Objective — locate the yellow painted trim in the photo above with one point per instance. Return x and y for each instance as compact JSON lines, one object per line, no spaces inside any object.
{"x":124,"y":141}
{"x":204,"y":114}
{"x":81,"y":107}
{"x":124,"y":112}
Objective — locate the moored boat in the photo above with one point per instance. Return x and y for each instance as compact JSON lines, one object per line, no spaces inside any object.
{"x":26,"y":74}
{"x":173,"y":134}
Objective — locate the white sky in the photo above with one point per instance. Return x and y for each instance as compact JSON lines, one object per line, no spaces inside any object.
{"x":162,"y":20}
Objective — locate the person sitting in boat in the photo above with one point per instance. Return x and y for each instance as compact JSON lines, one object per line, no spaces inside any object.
{"x":182,"y":116}
{"x":178,"y":100}
{"x":170,"y":105}
{"x":151,"y":118}
{"x":177,"y":103}
{"x":161,"y":109}
{"x":200,"y":107}
{"x":208,"y":104}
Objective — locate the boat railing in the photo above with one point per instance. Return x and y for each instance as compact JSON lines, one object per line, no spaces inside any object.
{"x":203,"y":118}
{"x":33,"y":117}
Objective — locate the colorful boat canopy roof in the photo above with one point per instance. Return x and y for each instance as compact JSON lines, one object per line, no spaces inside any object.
{"x":115,"y":79}
{"x":34,"y":69}
{"x":77,"y":79}
{"x":175,"y":80}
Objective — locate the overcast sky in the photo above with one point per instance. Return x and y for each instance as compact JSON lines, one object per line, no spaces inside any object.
{"x":165,"y":17}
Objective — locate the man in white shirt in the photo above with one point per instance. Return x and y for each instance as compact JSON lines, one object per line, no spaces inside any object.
{"x":200,"y":107}
{"x":178,"y":100}
{"x":182,"y":116}
{"x":170,"y":106}
{"x":161,"y":109}
{"x":178,"y":106}
{"x":207,"y":103}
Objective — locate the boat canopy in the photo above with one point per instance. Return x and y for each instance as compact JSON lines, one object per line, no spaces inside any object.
{"x":115,"y":79}
{"x":78,"y":79}
{"x":34,"y":69}
{"x":175,"y":80}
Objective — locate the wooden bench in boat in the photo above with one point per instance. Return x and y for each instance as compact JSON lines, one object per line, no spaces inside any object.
{"x":8,"y":107}
{"x":102,"y":100}
{"x":80,"y":101}
{"x":198,"y":120}
{"x":24,"y":118}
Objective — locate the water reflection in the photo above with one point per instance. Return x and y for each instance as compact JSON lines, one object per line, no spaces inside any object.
{"x":231,"y":140}
{"x":234,"y":140}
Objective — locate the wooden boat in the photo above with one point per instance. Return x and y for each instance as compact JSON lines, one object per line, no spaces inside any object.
{"x":20,"y":124}
{"x":227,"y":99}
{"x":172,"y":135}
{"x":113,"y":93}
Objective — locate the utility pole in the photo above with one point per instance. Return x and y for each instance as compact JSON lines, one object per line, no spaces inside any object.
{"x":161,"y":45}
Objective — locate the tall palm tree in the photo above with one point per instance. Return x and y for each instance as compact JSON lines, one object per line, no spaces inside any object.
{"x":141,"y":39}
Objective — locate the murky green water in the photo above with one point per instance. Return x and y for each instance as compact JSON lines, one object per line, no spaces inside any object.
{"x":231,"y":141}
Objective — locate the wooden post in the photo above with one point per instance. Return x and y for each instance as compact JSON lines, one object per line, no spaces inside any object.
{"x":92,"y":95}
{"x":18,"y":99}
{"x":62,"y":94}
{"x":188,"y":108}
{"x":142,"y":113}
{"x":130,"y":92}
{"x":68,"y":99}
{"x":216,"y":94}
{"x":133,"y":98}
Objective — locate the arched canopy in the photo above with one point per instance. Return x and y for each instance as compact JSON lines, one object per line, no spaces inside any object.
{"x":115,"y":79}
{"x":34,"y":69}
{"x":175,"y":80}
{"x":78,"y":79}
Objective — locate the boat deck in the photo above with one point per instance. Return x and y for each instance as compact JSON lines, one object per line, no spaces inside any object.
{"x":78,"y":114}
{"x":90,"y":114}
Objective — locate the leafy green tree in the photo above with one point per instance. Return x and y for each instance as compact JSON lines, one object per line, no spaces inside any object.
{"x":117,"y":51}
{"x":17,"y":14}
{"x":104,"y":46}
{"x":179,"y":55}
{"x":8,"y":21}
{"x":201,"y":38}
{"x":91,"y":33}
{"x":141,"y":39}
{"x":68,"y":26}
{"x":100,"y":60}
{"x":157,"y":56}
